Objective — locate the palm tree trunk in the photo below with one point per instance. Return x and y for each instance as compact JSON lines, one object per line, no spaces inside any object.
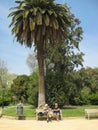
{"x":40,"y":56}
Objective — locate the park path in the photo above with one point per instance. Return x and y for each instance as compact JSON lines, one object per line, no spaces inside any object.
{"x":65,"y":124}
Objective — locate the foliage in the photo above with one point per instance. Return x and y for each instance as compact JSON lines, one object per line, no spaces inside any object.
{"x":56,"y":33}
{"x":63,"y":86}
{"x":54,"y":89}
{"x":25,"y":88}
{"x":3,"y":67}
{"x":34,"y":18}
{"x":40,"y":22}
{"x":32,"y":62}
{"x":3,"y":72}
{"x":61,"y":78}
{"x":20,"y":87}
{"x":75,"y":88}
{"x":5,"y":97}
{"x":88,"y":84}
{"x":33,"y":89}
{"x":94,"y":99}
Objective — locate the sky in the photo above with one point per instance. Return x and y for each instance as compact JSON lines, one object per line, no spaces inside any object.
{"x":16,"y":55}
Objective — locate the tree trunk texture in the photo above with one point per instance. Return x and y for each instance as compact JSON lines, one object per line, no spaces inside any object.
{"x":41,"y":94}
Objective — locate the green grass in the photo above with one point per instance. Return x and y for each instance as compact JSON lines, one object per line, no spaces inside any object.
{"x":29,"y":111}
{"x":76,"y":111}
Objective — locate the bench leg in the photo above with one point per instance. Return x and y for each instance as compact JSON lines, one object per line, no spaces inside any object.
{"x":88,"y":116}
{"x":36,"y":116}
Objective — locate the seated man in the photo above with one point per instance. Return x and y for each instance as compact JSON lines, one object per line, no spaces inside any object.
{"x":47,"y":112}
{"x":56,"y":111}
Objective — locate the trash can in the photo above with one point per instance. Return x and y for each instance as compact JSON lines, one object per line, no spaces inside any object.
{"x":19,"y":110}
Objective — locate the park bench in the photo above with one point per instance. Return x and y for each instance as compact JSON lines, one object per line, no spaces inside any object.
{"x":89,"y":112}
{"x":40,"y":115}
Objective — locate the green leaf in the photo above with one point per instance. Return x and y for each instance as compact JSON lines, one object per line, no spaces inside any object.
{"x":25,"y":13}
{"x":39,"y":18}
{"x":35,"y":11}
{"x":32,"y":24}
{"x":22,"y":4}
{"x":46,"y":19}
{"x":41,"y":11}
{"x":50,"y":12}
{"x":55,"y":24}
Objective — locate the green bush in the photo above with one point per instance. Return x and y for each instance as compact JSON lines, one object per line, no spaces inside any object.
{"x":94,"y":99}
{"x":5,"y":101}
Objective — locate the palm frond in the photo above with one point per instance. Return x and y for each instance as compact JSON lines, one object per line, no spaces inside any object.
{"x":32,"y":24}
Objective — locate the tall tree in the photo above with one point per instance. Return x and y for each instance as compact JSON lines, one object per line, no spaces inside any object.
{"x":41,"y":21}
{"x":32,"y":62}
{"x":3,"y":72}
{"x":20,"y":87}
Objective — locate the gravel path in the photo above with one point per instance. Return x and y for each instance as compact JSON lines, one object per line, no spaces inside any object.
{"x":65,"y":124}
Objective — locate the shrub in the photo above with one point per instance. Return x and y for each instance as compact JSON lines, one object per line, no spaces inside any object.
{"x":94,"y":99}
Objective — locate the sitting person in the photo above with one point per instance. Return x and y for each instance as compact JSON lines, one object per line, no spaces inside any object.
{"x":56,"y":111}
{"x":47,"y":112}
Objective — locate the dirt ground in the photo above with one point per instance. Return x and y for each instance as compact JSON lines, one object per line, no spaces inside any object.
{"x":65,"y":124}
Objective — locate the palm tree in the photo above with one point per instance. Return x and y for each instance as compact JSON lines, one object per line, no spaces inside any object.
{"x":38,"y":22}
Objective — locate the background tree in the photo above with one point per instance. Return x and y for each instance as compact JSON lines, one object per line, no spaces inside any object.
{"x":61,"y":63}
{"x":60,"y":73}
{"x":20,"y":87}
{"x":25,"y":88}
{"x":42,"y":21}
{"x":86,"y":87}
{"x":91,"y":84}
{"x":32,"y":62}
{"x":33,"y":89}
{"x":3,"y":72}
{"x":3,"y":82}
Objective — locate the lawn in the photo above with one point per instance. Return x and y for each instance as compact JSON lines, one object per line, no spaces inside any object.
{"x":29,"y":111}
